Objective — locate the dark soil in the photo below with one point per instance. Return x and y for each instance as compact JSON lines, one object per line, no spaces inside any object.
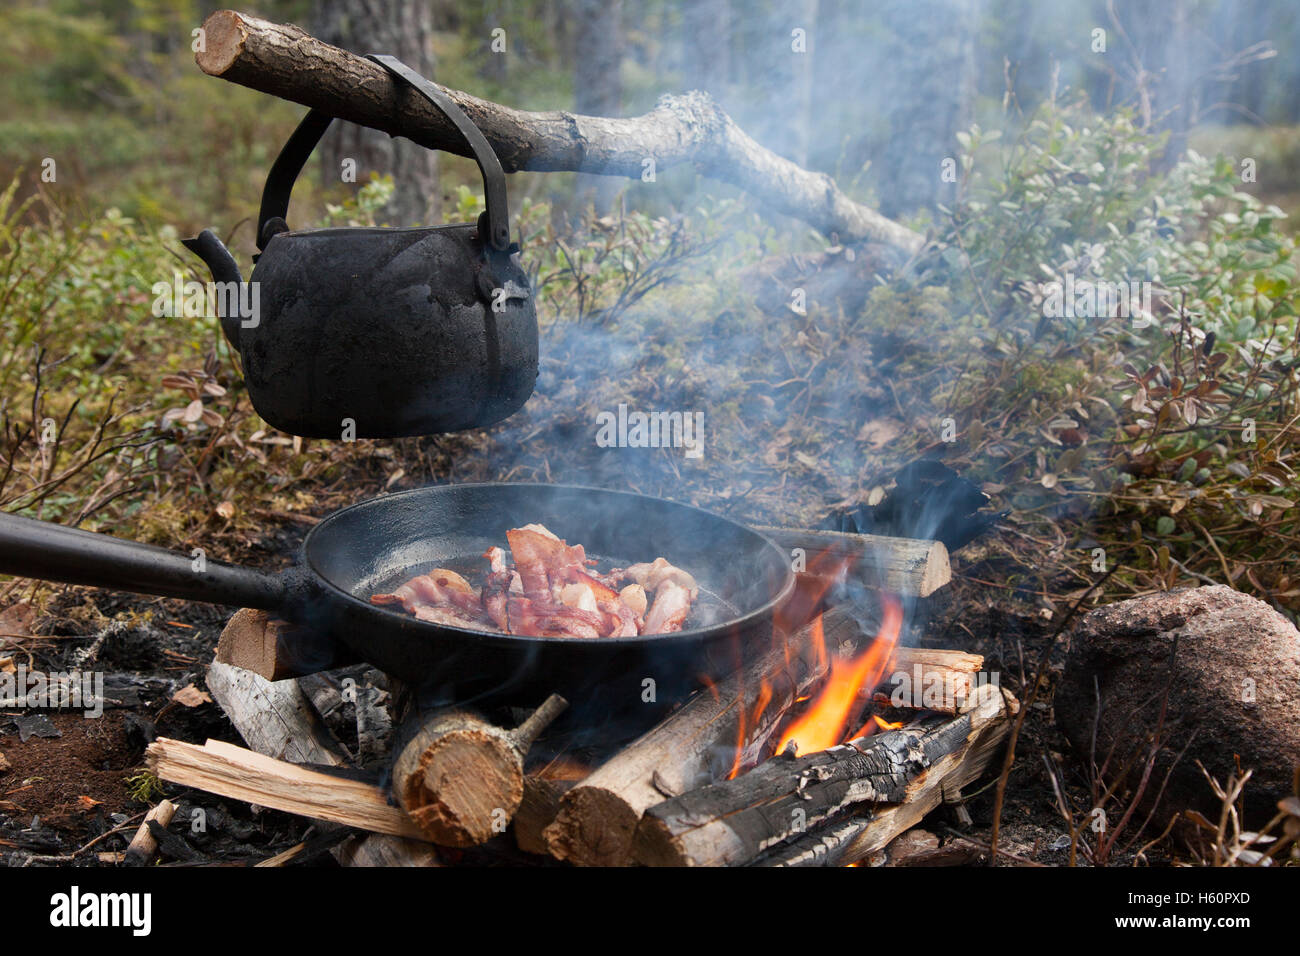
{"x":67,"y":780}
{"x":83,"y":779}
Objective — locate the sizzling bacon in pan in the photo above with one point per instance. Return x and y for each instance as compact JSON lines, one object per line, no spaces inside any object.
{"x":551,"y":591}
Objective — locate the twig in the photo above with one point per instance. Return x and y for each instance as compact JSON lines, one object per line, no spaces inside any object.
{"x":992,"y":852}
{"x":108,"y":833}
{"x":1025,"y":707}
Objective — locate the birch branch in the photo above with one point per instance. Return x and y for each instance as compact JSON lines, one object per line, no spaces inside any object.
{"x":285,"y":61}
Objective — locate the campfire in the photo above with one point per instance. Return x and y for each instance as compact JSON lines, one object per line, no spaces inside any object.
{"x":823,"y":747}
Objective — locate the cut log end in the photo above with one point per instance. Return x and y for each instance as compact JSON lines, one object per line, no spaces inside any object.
{"x":595,"y":827}
{"x":936,"y":571}
{"x":461,"y":778}
{"x":907,"y":566}
{"x":224,"y":35}
{"x":466,"y":783}
{"x":655,"y":845}
{"x":275,"y":649}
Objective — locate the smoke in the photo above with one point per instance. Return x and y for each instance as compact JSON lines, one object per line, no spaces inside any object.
{"x":761,"y":336}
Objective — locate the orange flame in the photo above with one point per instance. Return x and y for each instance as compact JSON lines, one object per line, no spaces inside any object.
{"x":744,"y":727}
{"x":709,"y":684}
{"x":823,"y":723}
{"x":871,"y":726}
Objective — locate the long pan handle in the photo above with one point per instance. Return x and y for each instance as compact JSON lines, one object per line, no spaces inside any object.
{"x":52,"y":552}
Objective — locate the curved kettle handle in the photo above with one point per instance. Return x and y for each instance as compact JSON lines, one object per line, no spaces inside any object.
{"x":287,"y":166}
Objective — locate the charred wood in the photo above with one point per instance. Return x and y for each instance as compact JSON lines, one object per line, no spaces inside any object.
{"x":598,"y":818}
{"x":733,"y":822}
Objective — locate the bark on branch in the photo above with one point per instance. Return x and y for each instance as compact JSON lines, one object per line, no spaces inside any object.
{"x":285,"y":61}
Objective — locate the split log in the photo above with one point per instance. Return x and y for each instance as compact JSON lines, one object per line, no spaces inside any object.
{"x":240,"y":774}
{"x":284,"y":61}
{"x":143,"y":845}
{"x":598,"y":818}
{"x":461,"y":778}
{"x":734,"y":821}
{"x":275,"y":719}
{"x":925,"y":678}
{"x":275,"y":649}
{"x":904,"y":566}
{"x":537,"y":810}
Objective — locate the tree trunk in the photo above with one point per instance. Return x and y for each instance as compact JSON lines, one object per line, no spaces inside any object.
{"x":931,"y":87}
{"x":706,"y":47}
{"x":803,"y":72}
{"x":1176,"y":93}
{"x":401,"y":28}
{"x":597,"y":85}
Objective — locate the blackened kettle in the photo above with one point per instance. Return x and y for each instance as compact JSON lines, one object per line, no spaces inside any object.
{"x":379,"y":332}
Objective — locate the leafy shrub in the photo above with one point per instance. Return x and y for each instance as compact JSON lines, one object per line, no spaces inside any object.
{"x":1166,"y":437}
{"x":77,"y":331}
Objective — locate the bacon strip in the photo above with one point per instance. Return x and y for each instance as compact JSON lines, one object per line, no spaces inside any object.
{"x":672,"y":604}
{"x":543,"y":560}
{"x":541,"y":618}
{"x":551,"y":591}
{"x":440,"y":587}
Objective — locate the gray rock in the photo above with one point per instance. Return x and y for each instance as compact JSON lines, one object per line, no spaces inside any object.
{"x":1235,"y":685}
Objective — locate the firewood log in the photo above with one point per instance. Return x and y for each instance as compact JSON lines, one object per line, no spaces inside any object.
{"x":240,"y":774}
{"x":538,"y":808}
{"x":461,"y":778}
{"x":732,"y":822}
{"x":598,"y":818}
{"x":275,"y":649}
{"x":913,"y":568}
{"x":274,"y":718}
{"x":924,"y":678}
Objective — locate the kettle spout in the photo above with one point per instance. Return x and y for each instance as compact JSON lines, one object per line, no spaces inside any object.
{"x":224,"y":270}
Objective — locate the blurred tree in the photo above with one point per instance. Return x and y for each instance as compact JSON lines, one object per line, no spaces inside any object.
{"x":597,"y":83}
{"x":706,"y":47}
{"x":930,"y":82}
{"x":803,"y":70}
{"x":402,"y":28}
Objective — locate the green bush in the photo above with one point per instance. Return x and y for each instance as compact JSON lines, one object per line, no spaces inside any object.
{"x":1169,"y":439}
{"x":79,"y":351}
